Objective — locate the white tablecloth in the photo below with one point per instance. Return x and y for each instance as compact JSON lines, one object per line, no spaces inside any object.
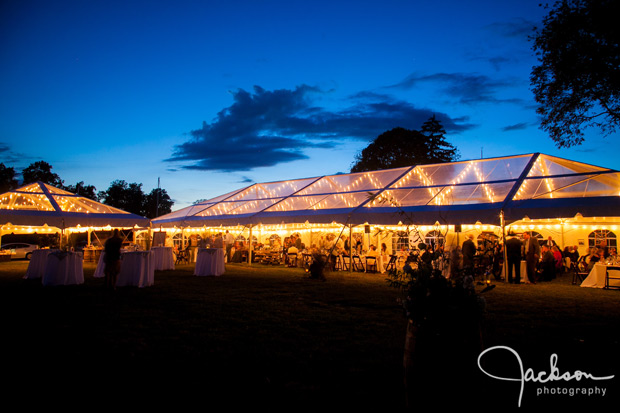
{"x":596,"y":278}
{"x":38,"y":261}
{"x":210,"y":261}
{"x":64,"y":268}
{"x":99,"y":271}
{"x":137,"y":269}
{"x":163,"y":258}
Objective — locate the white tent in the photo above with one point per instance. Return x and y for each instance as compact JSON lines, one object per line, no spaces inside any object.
{"x":42,"y":208}
{"x":485,"y":190}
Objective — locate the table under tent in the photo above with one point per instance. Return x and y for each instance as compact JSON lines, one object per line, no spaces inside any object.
{"x":439,"y":204}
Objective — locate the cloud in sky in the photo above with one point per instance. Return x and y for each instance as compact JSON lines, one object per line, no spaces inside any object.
{"x":10,"y":158}
{"x":265,"y":128}
{"x":519,"y":28}
{"x":465,"y":87}
{"x":517,"y":126}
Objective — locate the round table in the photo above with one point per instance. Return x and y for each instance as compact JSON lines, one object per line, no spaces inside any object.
{"x":210,"y":261}
{"x":136,"y":269}
{"x":63,"y":268}
{"x":163,"y":258}
{"x":38,"y":260}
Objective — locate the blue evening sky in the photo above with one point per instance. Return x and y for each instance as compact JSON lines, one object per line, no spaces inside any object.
{"x":210,"y":96}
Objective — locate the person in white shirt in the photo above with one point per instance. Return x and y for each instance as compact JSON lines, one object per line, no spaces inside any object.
{"x":229,"y":240}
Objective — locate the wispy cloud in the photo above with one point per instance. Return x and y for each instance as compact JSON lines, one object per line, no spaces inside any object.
{"x":467,"y":88}
{"x":516,"y":126}
{"x":10,"y":158}
{"x":519,"y":28}
{"x":265,"y":128}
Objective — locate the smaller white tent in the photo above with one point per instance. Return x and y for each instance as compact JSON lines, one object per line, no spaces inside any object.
{"x":42,"y":208}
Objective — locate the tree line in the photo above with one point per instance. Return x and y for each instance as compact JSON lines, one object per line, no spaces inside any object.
{"x":120,"y":194}
{"x":404,"y":147}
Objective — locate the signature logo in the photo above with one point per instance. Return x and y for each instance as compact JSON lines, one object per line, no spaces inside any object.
{"x":542,"y":377}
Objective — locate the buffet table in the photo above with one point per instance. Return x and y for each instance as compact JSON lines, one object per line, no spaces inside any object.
{"x":63,"y":268}
{"x":36,"y":266}
{"x":163,"y":258}
{"x":210,"y":261}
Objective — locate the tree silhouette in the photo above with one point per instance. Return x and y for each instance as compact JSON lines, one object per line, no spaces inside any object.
{"x":403,"y":147}
{"x":41,"y":171}
{"x":88,"y":191}
{"x":128,"y":197}
{"x":577,"y":83}
{"x":438,"y":149}
{"x":7,"y":178}
{"x":157,"y":203}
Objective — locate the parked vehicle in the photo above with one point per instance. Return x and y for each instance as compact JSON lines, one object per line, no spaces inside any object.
{"x":20,"y":250}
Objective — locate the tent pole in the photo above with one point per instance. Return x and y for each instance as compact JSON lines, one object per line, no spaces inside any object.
{"x":505,"y":264}
{"x":250,"y":247}
{"x":350,"y":248}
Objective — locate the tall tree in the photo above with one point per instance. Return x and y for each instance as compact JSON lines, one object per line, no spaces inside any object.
{"x":438,"y":149}
{"x":577,"y":83}
{"x":128,"y":197}
{"x":403,"y":147}
{"x":157,"y":203}
{"x":7,"y":178}
{"x":41,"y":171}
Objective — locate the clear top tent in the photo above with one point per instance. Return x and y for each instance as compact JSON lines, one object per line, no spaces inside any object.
{"x":42,"y":208}
{"x":535,"y":186}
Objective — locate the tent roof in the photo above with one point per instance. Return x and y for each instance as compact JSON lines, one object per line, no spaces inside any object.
{"x":40,"y":204}
{"x":537,"y":185}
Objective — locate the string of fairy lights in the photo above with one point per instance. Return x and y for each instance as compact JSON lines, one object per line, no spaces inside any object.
{"x":32,"y":197}
{"x":421,"y":185}
{"x":438,"y":193}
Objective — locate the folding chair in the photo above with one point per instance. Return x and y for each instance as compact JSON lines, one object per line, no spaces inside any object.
{"x":346,"y":262}
{"x":357,"y":263}
{"x":371,"y":264}
{"x":391,"y":265}
{"x":615,"y":277}
{"x":579,"y":274}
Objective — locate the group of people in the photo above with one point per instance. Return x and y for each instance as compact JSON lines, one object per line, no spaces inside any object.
{"x":544,"y":260}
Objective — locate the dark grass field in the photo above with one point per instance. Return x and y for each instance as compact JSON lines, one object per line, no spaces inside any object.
{"x":270,"y":339}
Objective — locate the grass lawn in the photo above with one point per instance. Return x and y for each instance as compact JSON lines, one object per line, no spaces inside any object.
{"x":270,"y":339}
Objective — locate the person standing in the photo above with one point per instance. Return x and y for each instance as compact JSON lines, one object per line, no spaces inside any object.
{"x":218,"y":242}
{"x":229,"y":240}
{"x":112,"y":259}
{"x":468,"y":250}
{"x":513,"y":258}
{"x":532,"y":255}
